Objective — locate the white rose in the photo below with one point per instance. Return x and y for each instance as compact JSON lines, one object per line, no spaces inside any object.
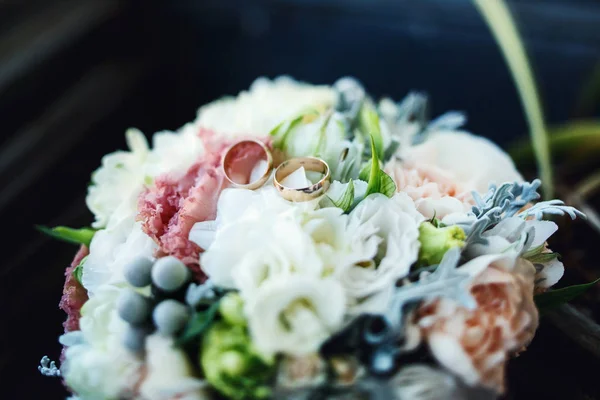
{"x":96,"y":364}
{"x":174,"y":152}
{"x":295,"y":314}
{"x":267,"y":103}
{"x":169,"y":373}
{"x":258,"y":235}
{"x":119,"y":180}
{"x":473,"y":161}
{"x":123,"y":175}
{"x":385,"y":235}
{"x":111,"y":250}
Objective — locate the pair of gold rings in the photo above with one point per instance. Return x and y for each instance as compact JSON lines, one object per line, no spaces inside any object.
{"x":248,"y":164}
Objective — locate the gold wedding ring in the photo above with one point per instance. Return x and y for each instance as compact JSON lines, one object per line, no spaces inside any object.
{"x":306,"y":193}
{"x":240,"y":159}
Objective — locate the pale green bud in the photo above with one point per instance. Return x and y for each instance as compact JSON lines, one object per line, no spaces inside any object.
{"x":230,"y":364}
{"x":435,"y":242}
{"x":231,"y":308}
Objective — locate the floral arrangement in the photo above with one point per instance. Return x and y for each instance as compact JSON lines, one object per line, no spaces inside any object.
{"x":301,"y":241}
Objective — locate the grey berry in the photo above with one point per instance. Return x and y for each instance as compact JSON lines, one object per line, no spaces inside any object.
{"x":138,"y":272}
{"x":169,"y":274}
{"x":170,"y":316}
{"x":135,"y":338}
{"x":133,"y":307}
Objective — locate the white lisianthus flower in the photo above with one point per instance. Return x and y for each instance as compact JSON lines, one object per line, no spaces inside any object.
{"x":96,"y":364}
{"x":174,"y":152}
{"x":258,"y":235}
{"x":257,"y":111}
{"x":123,"y":175}
{"x":119,"y":178}
{"x":294,"y":315}
{"x":111,"y":250}
{"x":385,"y":237}
{"x":170,"y":374}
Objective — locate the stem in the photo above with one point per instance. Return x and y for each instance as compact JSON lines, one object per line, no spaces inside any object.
{"x":505,"y":32}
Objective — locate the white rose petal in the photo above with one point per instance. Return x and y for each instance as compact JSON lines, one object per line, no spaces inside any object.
{"x":96,"y":364}
{"x":474,"y":160}
{"x":169,"y":373}
{"x":257,"y":111}
{"x":294,"y":315}
{"x":111,"y":250}
{"x":385,"y":240}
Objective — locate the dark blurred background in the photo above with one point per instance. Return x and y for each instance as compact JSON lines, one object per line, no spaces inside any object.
{"x":75,"y":74}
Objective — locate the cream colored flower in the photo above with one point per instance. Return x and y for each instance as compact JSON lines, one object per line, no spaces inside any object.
{"x":441,"y":173}
{"x":384,"y":234}
{"x":119,"y":180}
{"x":295,"y":314}
{"x":260,"y":109}
{"x":96,"y":365}
{"x":434,"y":191}
{"x":111,"y":250}
{"x":475,"y":344}
{"x":123,"y":175}
{"x":170,"y":374}
{"x":258,"y":235}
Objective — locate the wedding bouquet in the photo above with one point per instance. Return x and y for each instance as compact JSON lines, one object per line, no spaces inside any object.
{"x":301,"y":241}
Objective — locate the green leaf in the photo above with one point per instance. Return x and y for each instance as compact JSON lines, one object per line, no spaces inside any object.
{"x":347,"y":199}
{"x":503,"y":27}
{"x":364,"y":173}
{"x":576,"y":140}
{"x":387,"y":185}
{"x":70,"y":235}
{"x":198,"y":324}
{"x":378,"y":181}
{"x":78,"y":271}
{"x":374,"y":181}
{"x":537,"y":255}
{"x":543,"y":258}
{"x":369,"y":124}
{"x":553,"y":298}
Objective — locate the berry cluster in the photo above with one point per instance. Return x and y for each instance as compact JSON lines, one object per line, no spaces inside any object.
{"x":164,"y":309}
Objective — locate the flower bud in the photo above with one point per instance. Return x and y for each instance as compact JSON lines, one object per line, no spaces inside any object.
{"x":435,"y":242}
{"x":230,"y":364}
{"x":231,"y":308}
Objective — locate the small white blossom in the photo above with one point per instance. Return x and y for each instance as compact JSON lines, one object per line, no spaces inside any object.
{"x":385,"y":241}
{"x":257,"y":111}
{"x":96,"y":365}
{"x":111,"y":250}
{"x":294,"y":315}
{"x":169,"y":374}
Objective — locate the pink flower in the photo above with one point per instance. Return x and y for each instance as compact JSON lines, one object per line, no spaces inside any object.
{"x":434,"y":191}
{"x":74,"y":295}
{"x":173,"y":205}
{"x":475,"y":344}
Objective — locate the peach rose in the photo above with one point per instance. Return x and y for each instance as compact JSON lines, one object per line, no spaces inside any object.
{"x":440,"y":174}
{"x":475,"y":344}
{"x":434,"y":191}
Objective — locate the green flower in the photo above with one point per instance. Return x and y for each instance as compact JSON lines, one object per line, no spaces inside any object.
{"x":231,"y":308}
{"x":232,"y":366}
{"x":435,"y":242}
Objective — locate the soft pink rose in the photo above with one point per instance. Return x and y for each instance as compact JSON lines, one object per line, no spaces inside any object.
{"x":434,"y":191}
{"x":441,"y":173}
{"x":475,"y":344}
